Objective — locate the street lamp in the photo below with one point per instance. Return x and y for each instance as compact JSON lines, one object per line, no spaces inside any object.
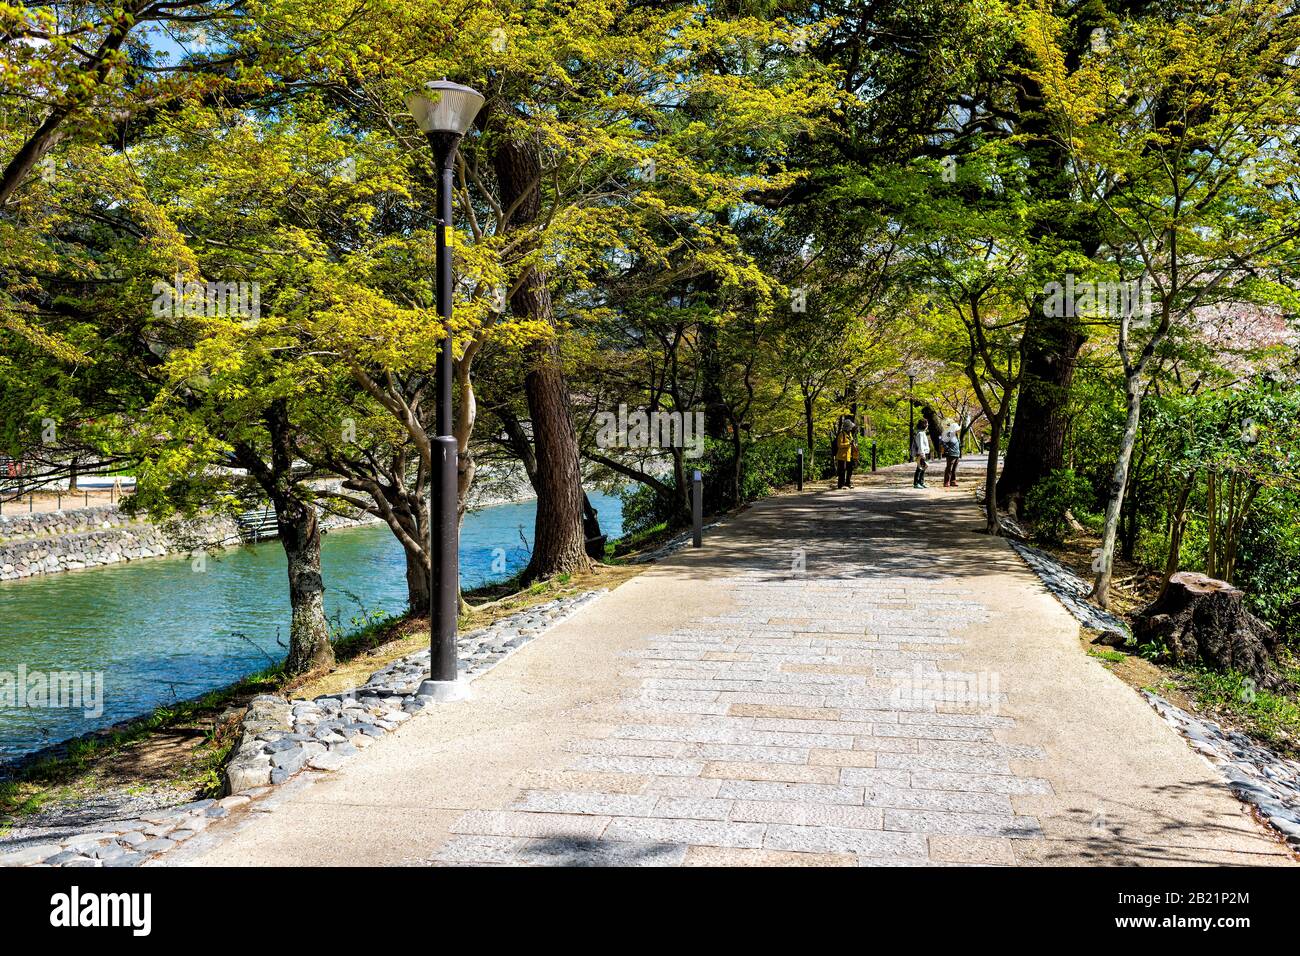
{"x":444,"y":111}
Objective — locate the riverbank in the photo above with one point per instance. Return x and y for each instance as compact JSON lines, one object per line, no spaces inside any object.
{"x":181,"y":823}
{"x":179,"y":744}
{"x":178,"y":754}
{"x":168,"y":772}
{"x":839,"y":677}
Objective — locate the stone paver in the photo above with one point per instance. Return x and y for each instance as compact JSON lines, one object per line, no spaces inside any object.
{"x":912,"y":698}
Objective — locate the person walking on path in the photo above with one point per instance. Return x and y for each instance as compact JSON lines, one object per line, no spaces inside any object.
{"x":950,"y":441}
{"x":920,"y":453}
{"x":845,"y":453}
{"x":854,"y":451}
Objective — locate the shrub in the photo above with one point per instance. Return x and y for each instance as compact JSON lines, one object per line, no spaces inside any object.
{"x":1049,"y":503}
{"x":1268,"y":568}
{"x":642,"y":509}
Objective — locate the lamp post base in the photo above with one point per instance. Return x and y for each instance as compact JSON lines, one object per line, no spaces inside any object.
{"x":444,"y":691}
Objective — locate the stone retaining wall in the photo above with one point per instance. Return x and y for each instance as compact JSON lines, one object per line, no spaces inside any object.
{"x":90,"y":537}
{"x":55,"y":541}
{"x":20,"y":524}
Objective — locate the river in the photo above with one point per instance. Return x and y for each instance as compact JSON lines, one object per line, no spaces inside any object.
{"x":168,"y":629}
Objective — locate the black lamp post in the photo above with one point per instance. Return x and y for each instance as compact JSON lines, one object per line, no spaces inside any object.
{"x":444,"y":111}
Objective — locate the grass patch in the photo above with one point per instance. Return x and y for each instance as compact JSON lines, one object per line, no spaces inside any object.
{"x":645,"y":540}
{"x":1114,"y":657}
{"x":180,"y":746}
{"x":1234,"y":700}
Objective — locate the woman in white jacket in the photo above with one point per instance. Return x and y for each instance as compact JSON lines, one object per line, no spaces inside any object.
{"x":920,"y":452}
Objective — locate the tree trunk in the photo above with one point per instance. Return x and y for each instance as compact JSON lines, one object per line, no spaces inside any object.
{"x":1131,"y":526}
{"x":1178,"y":525}
{"x":681,"y":499}
{"x":1037,"y":444}
{"x":991,"y":523}
{"x":1118,"y":483}
{"x":467,"y":415}
{"x":418,"y":597}
{"x":932,"y":426}
{"x":737,"y":464}
{"x":1050,"y":348}
{"x":406,"y":512}
{"x":590,"y":518}
{"x":309,"y":637}
{"x":808,"y":430}
{"x":1203,"y":622}
{"x":558,"y":542}
{"x":716,"y":412}
{"x":295,"y":518}
{"x":1211,"y":523}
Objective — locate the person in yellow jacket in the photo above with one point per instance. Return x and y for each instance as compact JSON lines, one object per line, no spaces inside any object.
{"x":846,"y":452}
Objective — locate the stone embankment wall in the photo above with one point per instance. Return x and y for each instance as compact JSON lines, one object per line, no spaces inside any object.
{"x":56,"y":541}
{"x":20,"y":524}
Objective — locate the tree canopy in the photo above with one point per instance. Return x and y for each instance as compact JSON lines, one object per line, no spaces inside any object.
{"x":1069,"y":229}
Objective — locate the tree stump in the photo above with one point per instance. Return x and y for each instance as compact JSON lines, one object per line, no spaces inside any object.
{"x":1200,"y":620}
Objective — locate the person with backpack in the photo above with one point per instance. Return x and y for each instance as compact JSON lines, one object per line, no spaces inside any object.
{"x":920,"y":452}
{"x":950,"y":441}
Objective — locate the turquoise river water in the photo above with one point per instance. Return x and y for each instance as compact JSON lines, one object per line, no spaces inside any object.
{"x":160,"y":631}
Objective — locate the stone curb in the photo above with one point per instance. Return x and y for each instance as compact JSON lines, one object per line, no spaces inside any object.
{"x":1071,"y":590}
{"x":1256,"y":775}
{"x":281,"y":738}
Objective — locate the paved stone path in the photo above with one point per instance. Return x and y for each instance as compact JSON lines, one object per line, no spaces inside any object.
{"x":802,"y":722}
{"x":839,"y":678}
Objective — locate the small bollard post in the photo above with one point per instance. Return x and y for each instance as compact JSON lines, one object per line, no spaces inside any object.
{"x":799,"y":480}
{"x":31,"y":503}
{"x":873,"y":456}
{"x":87,"y":497}
{"x":697,"y":509}
{"x":58,"y":497}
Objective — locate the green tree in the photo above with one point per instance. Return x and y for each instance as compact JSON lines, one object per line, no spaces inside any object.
{"x":1183,"y":134}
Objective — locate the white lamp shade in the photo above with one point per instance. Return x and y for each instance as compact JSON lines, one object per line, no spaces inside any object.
{"x":444,"y":107}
